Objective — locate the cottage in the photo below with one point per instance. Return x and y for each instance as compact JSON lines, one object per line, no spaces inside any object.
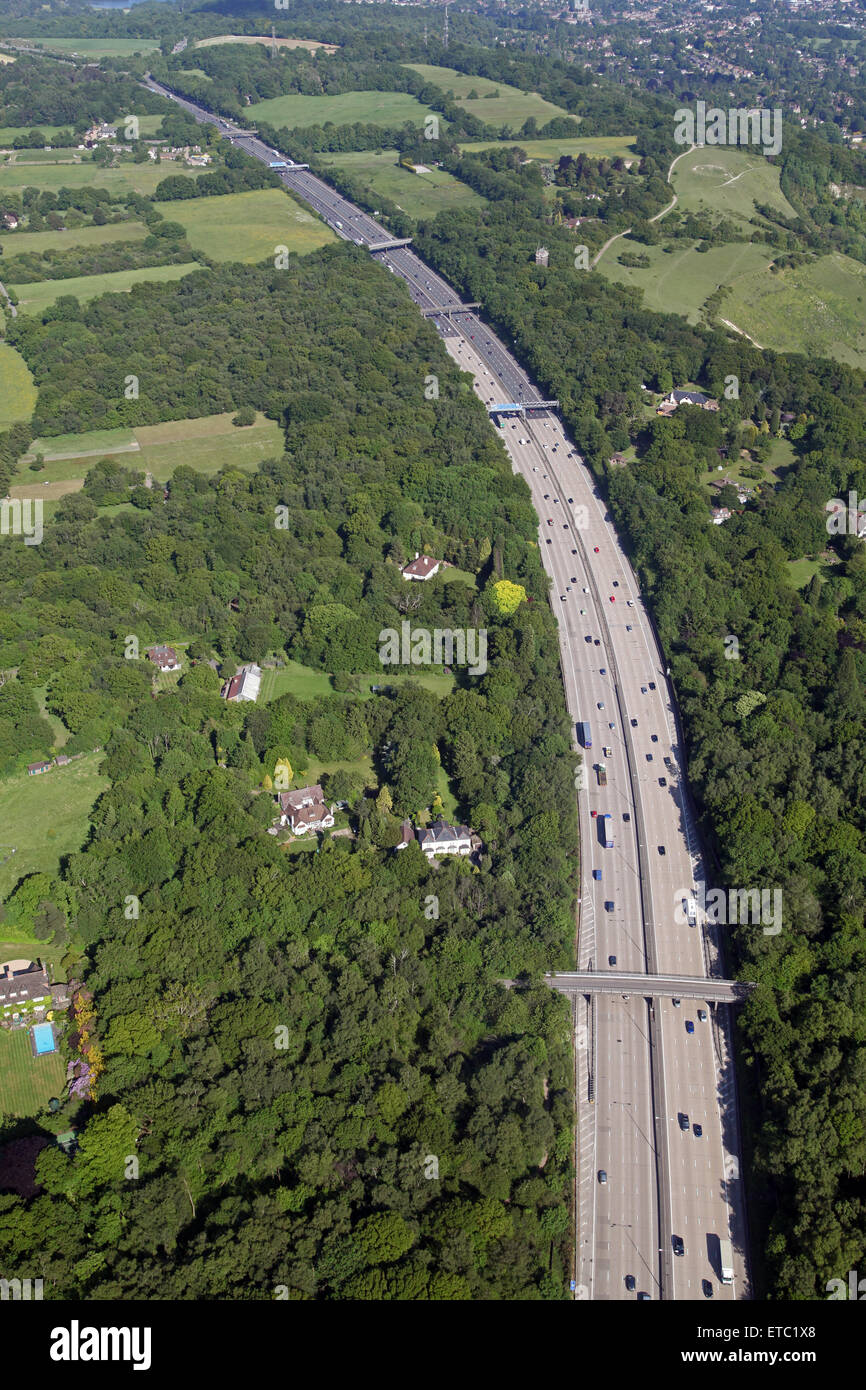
{"x":244,"y":685}
{"x":163,"y":657}
{"x":720,"y":514}
{"x":62,"y":759}
{"x":407,"y":835}
{"x":678,"y":398}
{"x":24,"y":981}
{"x":442,"y":838}
{"x":304,"y":810}
{"x":422,"y":567}
{"x":10,"y":220}
{"x":34,"y":769}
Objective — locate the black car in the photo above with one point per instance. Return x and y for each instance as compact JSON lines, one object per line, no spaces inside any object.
{"x":626,"y":816}
{"x":707,"y":1288}
{"x":629,"y":1282}
{"x":683,"y":1120}
{"x":677,"y":1243}
{"x":663,"y":782}
{"x":611,"y":960}
{"x":634,"y":723}
{"x":661,"y":849}
{"x":697,"y":1131}
{"x":643,"y":1298}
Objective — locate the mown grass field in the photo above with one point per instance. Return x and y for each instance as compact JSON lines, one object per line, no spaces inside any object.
{"x":9,"y":132}
{"x":27,"y":1083}
{"x":206,"y":443}
{"x":818,"y":309}
{"x":45,"y":817}
{"x":126,"y":178}
{"x":727,"y":181}
{"x":256,"y":38}
{"x":305,"y":683}
{"x":419,"y":195}
{"x":510,"y":106}
{"x":61,"y":155}
{"x":598,"y":146}
{"x":17,"y":388}
{"x":248,"y":226}
{"x":34,"y":243}
{"x":96,"y":48}
{"x":680,"y":281}
{"x":374,"y":108}
{"x":32,"y":299}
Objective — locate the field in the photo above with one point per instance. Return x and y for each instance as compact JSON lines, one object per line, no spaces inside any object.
{"x":9,"y":132}
{"x":47,"y":816}
{"x":32,"y":299}
{"x":254,"y":38}
{"x":375,"y":108}
{"x":248,"y":226}
{"x":95,"y":48}
{"x":679,"y":282}
{"x":305,"y":683}
{"x":510,"y":107}
{"x":817,"y":309}
{"x":207,"y":443}
{"x":598,"y":146}
{"x":418,"y":195}
{"x":26,"y":243}
{"x":127,"y":178}
{"x":27,"y":1083}
{"x":28,"y":158}
{"x":729,"y":182}
{"x":17,"y":389}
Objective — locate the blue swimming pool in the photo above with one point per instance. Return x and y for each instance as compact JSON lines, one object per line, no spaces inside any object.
{"x":43,"y":1038}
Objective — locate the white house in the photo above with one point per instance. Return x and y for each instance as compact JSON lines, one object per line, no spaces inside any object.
{"x":422,"y":567}
{"x":244,"y":685}
{"x":304,"y":810}
{"x":442,"y":838}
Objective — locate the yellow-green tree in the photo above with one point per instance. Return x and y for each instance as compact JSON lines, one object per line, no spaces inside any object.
{"x":507,"y":597}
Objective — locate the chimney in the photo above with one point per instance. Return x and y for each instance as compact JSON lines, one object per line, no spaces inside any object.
{"x":416,"y":554}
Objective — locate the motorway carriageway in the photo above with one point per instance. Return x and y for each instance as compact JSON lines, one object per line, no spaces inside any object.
{"x":643,"y":1068}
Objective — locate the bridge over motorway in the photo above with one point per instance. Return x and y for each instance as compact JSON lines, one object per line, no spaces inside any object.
{"x":449,"y":309}
{"x":390,"y":245}
{"x":712,"y":991}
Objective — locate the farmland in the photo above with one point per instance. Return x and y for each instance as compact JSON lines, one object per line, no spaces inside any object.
{"x":598,"y":146}
{"x":25,"y":243}
{"x":265,"y":38}
{"x":248,"y":226}
{"x":818,"y":309}
{"x":419,"y":195}
{"x":128,"y":177}
{"x":33,"y":299}
{"x":46,"y":817}
{"x":95,"y":48}
{"x":17,"y":389}
{"x":496,"y":103}
{"x":374,"y":108}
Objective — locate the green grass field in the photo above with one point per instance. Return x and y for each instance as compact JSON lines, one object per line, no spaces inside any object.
{"x":375,"y":108}
{"x":17,"y":388}
{"x":256,"y":38}
{"x":418,"y":195}
{"x":598,"y":146}
{"x":248,"y":226}
{"x":27,"y":1083}
{"x":9,"y":132}
{"x":680,"y":281}
{"x":28,"y":243}
{"x":305,"y":683}
{"x":32,"y":299}
{"x":47,"y":816}
{"x":96,"y":48}
{"x":727,"y":181}
{"x":206,"y":443}
{"x":127,"y":178}
{"x":510,"y":107}
{"x":31,"y":157}
{"x":818,"y":309}
{"x":801,"y":572}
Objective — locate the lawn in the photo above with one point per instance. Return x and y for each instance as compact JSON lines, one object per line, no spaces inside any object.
{"x":679,"y":282}
{"x":308,"y":684}
{"x":17,"y":388}
{"x":32,"y":299}
{"x":9,"y":132}
{"x":598,"y":146}
{"x":818,"y":309}
{"x":27,"y":1083}
{"x":510,"y":107}
{"x":248,"y":226}
{"x":801,"y":572}
{"x":53,"y":156}
{"x":96,"y":48}
{"x":206,"y":443}
{"x":344,"y":108}
{"x":128,"y":177}
{"x":728,"y":181}
{"x":47,"y":816}
{"x":27,"y":243}
{"x":418,"y":195}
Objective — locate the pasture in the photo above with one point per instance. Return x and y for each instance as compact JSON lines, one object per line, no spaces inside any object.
{"x":418,"y":195}
{"x":597,"y":146}
{"x":27,"y":243}
{"x":727,"y":181}
{"x":47,"y":816}
{"x":680,"y":281}
{"x":95,"y":48}
{"x":17,"y":388}
{"x":496,"y":103}
{"x":344,"y":108}
{"x":33,"y":299}
{"x":818,"y":309}
{"x":128,"y":177}
{"x":310,"y":44}
{"x":248,"y":226}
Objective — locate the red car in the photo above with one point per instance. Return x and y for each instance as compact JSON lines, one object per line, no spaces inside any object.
{"x":595,"y":548}
{"x":612,"y":599}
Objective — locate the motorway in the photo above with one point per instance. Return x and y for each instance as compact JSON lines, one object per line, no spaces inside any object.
{"x":639,"y":1068}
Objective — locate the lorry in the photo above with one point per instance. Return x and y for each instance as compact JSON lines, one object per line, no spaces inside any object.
{"x":584,"y":735}
{"x":692,"y":912}
{"x":606,"y":832}
{"x":602,"y":774}
{"x":726,"y":1262}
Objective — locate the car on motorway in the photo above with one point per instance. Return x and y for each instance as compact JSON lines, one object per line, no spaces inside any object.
{"x":707,"y":1288}
{"x":596,"y":641}
{"x":562,"y":598}
{"x":649,"y":757}
{"x":593,"y":813}
{"x":663,"y":781}
{"x":626,"y":816}
{"x":683,"y":1121}
{"x":643,"y":690}
{"x":644,"y":1298}
{"x":697,"y":1131}
{"x":612,"y":599}
{"x":601,"y":704}
{"x":677,"y":1243}
{"x":574,"y":579}
{"x":628,"y":627}
{"x":588,"y":637}
{"x":583,"y":610}
{"x":611,"y":960}
{"x":546,"y":496}
{"x":702,"y":1015}
{"x":611,"y":725}
{"x":571,"y":499}
{"x":629,"y":602}
{"x":574,"y":552}
{"x":602,"y":670}
{"x":602,"y":1176}
{"x":616,"y":583}
{"x":608,"y":907}
{"x":550,"y":521}
{"x":690,"y":1027}
{"x":595,"y":549}
{"x":630,"y":1282}
{"x":634,"y":723}
{"x":652,"y":685}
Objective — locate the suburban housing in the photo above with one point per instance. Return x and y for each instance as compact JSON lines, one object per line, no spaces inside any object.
{"x":163,"y":657}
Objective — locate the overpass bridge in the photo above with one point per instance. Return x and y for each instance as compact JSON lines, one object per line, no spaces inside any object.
{"x":449,"y":309}
{"x":391,"y":245}
{"x":592,"y":982}
{"x":520,"y":407}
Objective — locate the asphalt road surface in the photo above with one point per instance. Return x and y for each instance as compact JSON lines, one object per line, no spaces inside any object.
{"x":639,"y":1068}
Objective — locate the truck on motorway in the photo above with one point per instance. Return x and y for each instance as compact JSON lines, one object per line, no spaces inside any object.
{"x":584,"y":735}
{"x":604,"y":830}
{"x":602,"y":774}
{"x":726,"y":1262}
{"x":692,"y":912}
